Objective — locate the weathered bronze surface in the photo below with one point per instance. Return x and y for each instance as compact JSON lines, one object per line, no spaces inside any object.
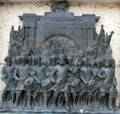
{"x":58,"y":63}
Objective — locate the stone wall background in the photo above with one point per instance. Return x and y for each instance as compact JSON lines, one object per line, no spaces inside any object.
{"x":110,"y":18}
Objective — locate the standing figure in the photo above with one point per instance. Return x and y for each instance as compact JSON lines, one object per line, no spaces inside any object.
{"x":31,"y":85}
{"x":7,"y":77}
{"x":40,"y":68}
{"x":98,"y":75}
{"x":37,"y":75}
{"x":95,"y":69}
{"x":50,"y":78}
{"x":73,"y":80}
{"x":87,"y":79}
{"x":20,"y":75}
{"x":78,"y":63}
{"x":61,"y":84}
{"x":108,"y":85}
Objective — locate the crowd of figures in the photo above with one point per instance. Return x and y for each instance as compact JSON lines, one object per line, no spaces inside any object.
{"x":62,"y":80}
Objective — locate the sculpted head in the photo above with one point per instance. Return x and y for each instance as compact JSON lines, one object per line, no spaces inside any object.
{"x":29,"y":60}
{"x":107,"y":62}
{"x":99,"y":63}
{"x":89,"y":52}
{"x":23,"y":60}
{"x":70,"y":59}
{"x":17,"y":60}
{"x":92,"y":63}
{"x":85,"y":61}
{"x":53,"y":60}
{"x":39,"y":60}
{"x":13,"y":61}
{"x":62,"y":59}
{"x":8,"y":60}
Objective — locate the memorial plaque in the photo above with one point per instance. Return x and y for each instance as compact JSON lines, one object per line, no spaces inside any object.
{"x":58,"y":63}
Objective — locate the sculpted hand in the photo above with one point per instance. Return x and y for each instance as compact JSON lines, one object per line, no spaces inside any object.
{"x":52,"y":80}
{"x":17,"y":79}
{"x":38,"y":82}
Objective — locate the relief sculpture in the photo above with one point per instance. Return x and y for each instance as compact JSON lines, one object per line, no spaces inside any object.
{"x":58,"y":63}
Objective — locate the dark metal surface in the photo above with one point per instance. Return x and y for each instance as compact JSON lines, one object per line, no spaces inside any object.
{"x":58,"y":63}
